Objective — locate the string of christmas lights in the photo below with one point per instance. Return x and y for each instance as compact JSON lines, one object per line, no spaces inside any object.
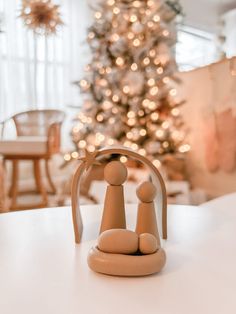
{"x":129,"y":89}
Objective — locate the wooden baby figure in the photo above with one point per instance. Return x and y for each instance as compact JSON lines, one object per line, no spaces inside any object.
{"x":115,"y":173}
{"x":146,"y":217}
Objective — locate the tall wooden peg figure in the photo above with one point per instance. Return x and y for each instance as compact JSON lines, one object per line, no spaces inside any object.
{"x":146,"y":217}
{"x":115,"y":173}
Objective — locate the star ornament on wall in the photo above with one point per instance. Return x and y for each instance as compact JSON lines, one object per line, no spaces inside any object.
{"x":89,"y":159}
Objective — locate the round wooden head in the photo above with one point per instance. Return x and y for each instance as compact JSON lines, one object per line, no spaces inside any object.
{"x":146,"y":192}
{"x":115,"y":173}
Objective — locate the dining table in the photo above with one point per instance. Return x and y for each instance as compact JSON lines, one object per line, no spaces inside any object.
{"x":43,"y":270}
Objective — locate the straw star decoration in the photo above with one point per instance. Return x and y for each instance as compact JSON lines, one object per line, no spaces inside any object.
{"x":89,"y":159}
{"x":42,"y":16}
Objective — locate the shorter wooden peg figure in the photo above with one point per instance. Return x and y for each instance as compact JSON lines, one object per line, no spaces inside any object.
{"x":115,"y":173}
{"x":146,"y":217}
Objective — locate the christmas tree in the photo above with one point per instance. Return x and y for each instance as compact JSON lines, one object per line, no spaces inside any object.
{"x":128,"y":90}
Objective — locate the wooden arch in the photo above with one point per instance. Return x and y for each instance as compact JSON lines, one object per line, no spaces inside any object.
{"x":157,"y":180}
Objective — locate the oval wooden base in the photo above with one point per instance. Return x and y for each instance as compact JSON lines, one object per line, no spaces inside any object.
{"x":126,"y":265}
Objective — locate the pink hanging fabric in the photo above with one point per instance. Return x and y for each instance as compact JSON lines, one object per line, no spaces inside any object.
{"x":211,"y":144}
{"x":226,"y":129}
{"x":220,"y":125}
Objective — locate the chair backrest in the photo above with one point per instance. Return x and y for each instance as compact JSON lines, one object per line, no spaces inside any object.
{"x":2,"y":124}
{"x":3,"y":194}
{"x":46,"y":122}
{"x":37,"y":122}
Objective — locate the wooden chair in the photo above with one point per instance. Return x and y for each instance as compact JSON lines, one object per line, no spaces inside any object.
{"x":3,"y":196}
{"x":38,"y":137}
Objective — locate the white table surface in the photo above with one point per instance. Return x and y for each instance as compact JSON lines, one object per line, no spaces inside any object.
{"x":42,"y":271}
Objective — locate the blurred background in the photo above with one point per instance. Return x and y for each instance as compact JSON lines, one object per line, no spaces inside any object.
{"x":158,"y":77}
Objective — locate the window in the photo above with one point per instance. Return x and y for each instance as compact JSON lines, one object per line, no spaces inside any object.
{"x":194,"y":48}
{"x":51,"y":64}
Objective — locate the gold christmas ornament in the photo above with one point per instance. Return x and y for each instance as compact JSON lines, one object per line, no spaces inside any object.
{"x":42,"y":16}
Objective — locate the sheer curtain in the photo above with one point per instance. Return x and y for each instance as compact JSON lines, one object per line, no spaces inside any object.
{"x":59,"y":59}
